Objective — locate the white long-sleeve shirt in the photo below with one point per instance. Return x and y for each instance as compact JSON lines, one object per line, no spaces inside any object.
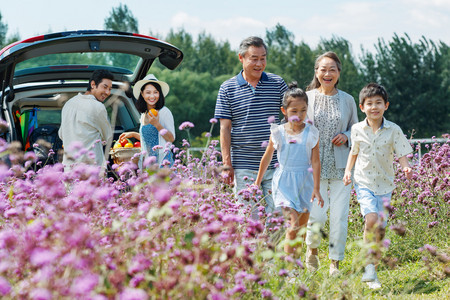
{"x":84,"y":120}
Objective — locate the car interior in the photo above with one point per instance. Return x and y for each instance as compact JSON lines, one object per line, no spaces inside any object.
{"x":31,"y":114}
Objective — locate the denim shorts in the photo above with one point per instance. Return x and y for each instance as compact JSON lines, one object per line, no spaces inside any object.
{"x":371,"y":203}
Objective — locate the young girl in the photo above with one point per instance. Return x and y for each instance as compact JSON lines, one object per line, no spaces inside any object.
{"x":155,"y":130}
{"x":294,"y":187}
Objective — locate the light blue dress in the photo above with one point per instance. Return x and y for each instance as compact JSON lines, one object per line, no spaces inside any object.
{"x":150,"y":138}
{"x":293,"y":183}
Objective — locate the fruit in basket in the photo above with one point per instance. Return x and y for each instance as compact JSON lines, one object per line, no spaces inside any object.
{"x":137,"y":144}
{"x":153,"y":111}
{"x":117,"y":145}
{"x":128,"y":145}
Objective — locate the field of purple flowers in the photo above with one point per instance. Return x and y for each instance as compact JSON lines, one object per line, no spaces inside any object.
{"x":177,"y":234}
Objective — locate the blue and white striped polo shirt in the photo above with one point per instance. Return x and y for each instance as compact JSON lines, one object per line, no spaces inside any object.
{"x":248,"y":108}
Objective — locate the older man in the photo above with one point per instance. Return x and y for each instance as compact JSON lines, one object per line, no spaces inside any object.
{"x":84,"y":122}
{"x":244,"y":105}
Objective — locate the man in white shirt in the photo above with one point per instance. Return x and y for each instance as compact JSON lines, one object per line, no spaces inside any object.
{"x":85,"y":124}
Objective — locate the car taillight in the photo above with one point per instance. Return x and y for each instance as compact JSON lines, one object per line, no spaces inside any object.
{"x":30,"y":40}
{"x":144,"y":36}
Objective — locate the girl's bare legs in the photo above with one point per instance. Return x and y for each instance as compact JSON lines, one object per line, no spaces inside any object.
{"x":296,"y":222}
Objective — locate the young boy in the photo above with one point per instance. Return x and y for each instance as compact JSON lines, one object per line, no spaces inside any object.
{"x":374,"y":142}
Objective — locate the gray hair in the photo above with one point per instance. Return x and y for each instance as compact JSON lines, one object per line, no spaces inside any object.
{"x":251,"y":41}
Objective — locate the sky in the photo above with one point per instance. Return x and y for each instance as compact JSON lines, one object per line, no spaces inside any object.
{"x":361,"y":23}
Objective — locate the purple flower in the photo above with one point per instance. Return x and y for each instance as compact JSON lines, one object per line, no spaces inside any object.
{"x":310,"y":170}
{"x":3,"y":126}
{"x":84,"y":284}
{"x":162,"y":195}
{"x":133,"y":294}
{"x":266,"y":293}
{"x":271,"y":119}
{"x":40,"y":257}
{"x":148,"y":161}
{"x":5,"y":287}
{"x":283,"y":272}
{"x":163,"y":131}
{"x":264,"y":144}
{"x":292,"y":141}
{"x":40,"y":294}
{"x":294,"y":119}
{"x":213,"y":121}
{"x":430,"y":248}
{"x":186,"y":125}
{"x":386,"y":243}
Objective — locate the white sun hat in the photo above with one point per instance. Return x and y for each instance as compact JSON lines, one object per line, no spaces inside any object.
{"x":149,"y":78}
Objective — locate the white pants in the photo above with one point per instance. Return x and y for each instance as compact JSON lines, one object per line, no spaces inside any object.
{"x":337,"y":201}
{"x":266,"y":184}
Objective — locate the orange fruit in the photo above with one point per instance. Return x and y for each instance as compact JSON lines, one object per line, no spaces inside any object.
{"x":128,"y":145}
{"x":153,"y":111}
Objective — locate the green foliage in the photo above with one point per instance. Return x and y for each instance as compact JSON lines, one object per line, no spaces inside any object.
{"x":285,"y":58}
{"x":205,"y":54}
{"x":3,"y":31}
{"x":351,"y":80}
{"x":192,"y":98}
{"x":4,"y":40}
{"x":121,"y":19}
{"x":415,"y":76}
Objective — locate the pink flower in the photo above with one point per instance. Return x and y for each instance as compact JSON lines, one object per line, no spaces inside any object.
{"x":40,"y":257}
{"x":186,"y":125}
{"x":213,"y":121}
{"x":41,"y":294}
{"x":133,"y":294}
{"x":271,"y":119}
{"x":264,"y":144}
{"x":294,"y":119}
{"x":163,"y":131}
{"x":5,"y":287}
{"x":84,"y":284}
{"x":293,"y":141}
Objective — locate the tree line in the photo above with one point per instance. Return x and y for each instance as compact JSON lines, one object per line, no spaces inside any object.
{"x":415,"y":74}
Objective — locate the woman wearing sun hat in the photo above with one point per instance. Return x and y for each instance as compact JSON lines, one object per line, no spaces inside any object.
{"x":157,"y":125}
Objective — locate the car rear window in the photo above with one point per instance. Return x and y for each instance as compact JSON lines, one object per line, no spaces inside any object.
{"x":118,"y":60}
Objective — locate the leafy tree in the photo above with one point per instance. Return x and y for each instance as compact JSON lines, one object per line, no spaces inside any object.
{"x":285,"y":58}
{"x":350,"y":80}
{"x":3,"y":31}
{"x":122,"y":19}
{"x":192,"y":97}
{"x":416,"y":78}
{"x":185,"y":43}
{"x":280,"y":52}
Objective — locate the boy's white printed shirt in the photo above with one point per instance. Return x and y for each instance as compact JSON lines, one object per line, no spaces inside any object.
{"x":374,"y":168}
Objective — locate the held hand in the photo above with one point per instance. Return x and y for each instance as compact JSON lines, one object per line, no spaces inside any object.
{"x":228,"y":174}
{"x":151,"y":119}
{"x":316,"y":195}
{"x":339,"y":140}
{"x":347,"y":178}
{"x":125,"y":135}
{"x":408,"y":172}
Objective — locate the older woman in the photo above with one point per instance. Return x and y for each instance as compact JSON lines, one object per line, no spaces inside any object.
{"x":333,"y":113}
